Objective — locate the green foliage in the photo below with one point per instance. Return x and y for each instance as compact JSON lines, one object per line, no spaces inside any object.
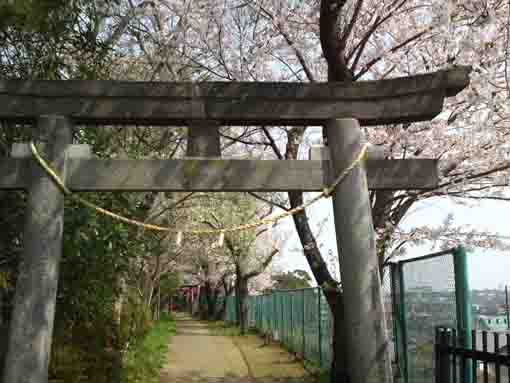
{"x":221,"y":328}
{"x":54,"y":39}
{"x":136,"y":321}
{"x":86,"y":362}
{"x":61,"y":39}
{"x":143,"y":361}
{"x":290,"y":280}
{"x":95,"y":253}
{"x":321,"y":375}
{"x":4,"y":281}
{"x":169,"y":283}
{"x":32,"y":15}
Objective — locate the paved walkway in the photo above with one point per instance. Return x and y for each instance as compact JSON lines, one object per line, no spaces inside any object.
{"x":197,"y":356}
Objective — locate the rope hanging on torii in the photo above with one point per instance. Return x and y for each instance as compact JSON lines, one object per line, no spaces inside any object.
{"x":361,"y":156}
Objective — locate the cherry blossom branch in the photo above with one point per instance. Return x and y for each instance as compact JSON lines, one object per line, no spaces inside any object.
{"x":299,"y":55}
{"x":352,"y":22}
{"x":500,"y":168}
{"x":374,"y":61}
{"x":360,"y":47}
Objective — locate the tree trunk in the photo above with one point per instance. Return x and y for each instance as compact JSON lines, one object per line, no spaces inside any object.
{"x":212,"y":298}
{"x":220,"y":314}
{"x":338,"y":371}
{"x":329,"y":285}
{"x":157,"y":303}
{"x":204,"y":301}
{"x":241,"y":297}
{"x":208,"y":302}
{"x":237,"y":300}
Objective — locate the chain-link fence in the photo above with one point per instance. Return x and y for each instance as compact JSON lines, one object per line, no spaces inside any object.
{"x":427,"y":292}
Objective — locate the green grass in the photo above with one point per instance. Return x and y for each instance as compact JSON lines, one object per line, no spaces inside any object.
{"x":143,"y":362}
{"x":222,"y":328}
{"x":320,"y":374}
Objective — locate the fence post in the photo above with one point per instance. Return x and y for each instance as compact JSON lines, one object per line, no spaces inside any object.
{"x":507,"y":308}
{"x":463,"y":304}
{"x":319,"y":324}
{"x":442,"y":356}
{"x":403,"y":322}
{"x":291,"y":338}
{"x":304,"y":343}
{"x":437,"y":354}
{"x":282,"y":325}
{"x":397,"y":336}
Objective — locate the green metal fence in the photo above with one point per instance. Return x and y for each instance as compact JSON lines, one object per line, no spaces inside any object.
{"x":419,"y":294}
{"x":299,"y":319}
{"x":427,"y":292}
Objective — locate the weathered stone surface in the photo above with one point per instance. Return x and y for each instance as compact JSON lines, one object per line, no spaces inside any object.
{"x":405,"y":99}
{"x":368,"y":357}
{"x":216,"y":175}
{"x":32,"y":318}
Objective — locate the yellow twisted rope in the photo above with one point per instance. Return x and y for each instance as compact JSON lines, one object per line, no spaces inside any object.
{"x":325,"y":193}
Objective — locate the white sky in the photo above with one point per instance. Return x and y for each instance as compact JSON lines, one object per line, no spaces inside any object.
{"x":487,"y":268}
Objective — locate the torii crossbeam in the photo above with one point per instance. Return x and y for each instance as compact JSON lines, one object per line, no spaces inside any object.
{"x":54,"y":106}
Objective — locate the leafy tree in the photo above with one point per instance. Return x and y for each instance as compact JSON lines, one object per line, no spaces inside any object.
{"x":56,"y":39}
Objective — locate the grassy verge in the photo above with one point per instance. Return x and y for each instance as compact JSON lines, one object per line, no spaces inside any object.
{"x":320,"y":374}
{"x":222,"y":328}
{"x":143,"y":362}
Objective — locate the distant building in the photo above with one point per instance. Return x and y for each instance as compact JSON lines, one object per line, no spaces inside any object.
{"x":491,"y":323}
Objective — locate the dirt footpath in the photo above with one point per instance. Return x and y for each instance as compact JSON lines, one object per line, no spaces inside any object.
{"x":197,"y":356}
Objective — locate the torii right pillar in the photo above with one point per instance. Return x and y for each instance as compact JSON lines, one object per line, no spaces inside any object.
{"x":367,"y":352}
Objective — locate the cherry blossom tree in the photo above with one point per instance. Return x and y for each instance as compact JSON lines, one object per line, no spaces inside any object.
{"x":249,"y":252}
{"x":350,"y":40}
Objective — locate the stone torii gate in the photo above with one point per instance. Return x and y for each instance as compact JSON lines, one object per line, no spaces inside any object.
{"x":55,"y":106}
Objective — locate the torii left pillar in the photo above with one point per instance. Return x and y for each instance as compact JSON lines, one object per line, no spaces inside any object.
{"x":31,"y":326}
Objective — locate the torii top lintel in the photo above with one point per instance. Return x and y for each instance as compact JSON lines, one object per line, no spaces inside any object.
{"x":405,"y":99}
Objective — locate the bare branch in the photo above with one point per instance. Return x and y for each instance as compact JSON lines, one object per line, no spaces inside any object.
{"x":268,"y":201}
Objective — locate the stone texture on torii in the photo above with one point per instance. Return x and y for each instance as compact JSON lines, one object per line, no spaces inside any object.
{"x":208,"y":175}
{"x":405,"y":99}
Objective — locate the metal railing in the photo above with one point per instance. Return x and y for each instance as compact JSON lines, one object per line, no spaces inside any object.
{"x":299,"y":319}
{"x":486,"y":358}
